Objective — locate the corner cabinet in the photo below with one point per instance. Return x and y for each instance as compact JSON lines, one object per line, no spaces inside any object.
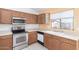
{"x":32,"y":37}
{"x":43,"y":18}
{"x":5,"y":16}
{"x":6,"y":42}
{"x":53,"y":42}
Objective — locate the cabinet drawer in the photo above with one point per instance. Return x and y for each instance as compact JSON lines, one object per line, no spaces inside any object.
{"x":67,"y":46}
{"x":6,"y":37}
{"x":69,"y":41}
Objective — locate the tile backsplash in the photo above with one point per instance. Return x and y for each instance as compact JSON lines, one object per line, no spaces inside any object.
{"x":32,"y":26}
{"x":7,"y":27}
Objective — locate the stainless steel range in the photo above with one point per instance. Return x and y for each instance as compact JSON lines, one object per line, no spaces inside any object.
{"x":20,"y":37}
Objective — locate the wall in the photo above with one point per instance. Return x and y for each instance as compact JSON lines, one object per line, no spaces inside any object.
{"x":76,"y":20}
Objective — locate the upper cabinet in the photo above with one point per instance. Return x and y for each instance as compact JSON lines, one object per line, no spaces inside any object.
{"x":5,"y":16}
{"x":31,"y":19}
{"x":43,"y":18}
{"x":17,"y":14}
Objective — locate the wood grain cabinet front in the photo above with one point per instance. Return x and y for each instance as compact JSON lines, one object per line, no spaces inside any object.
{"x":32,"y":37}
{"x":68,"y":44}
{"x":6,"y":42}
{"x":5,"y":16}
{"x":41,"y":19}
{"x":31,"y":19}
{"x":53,"y":42}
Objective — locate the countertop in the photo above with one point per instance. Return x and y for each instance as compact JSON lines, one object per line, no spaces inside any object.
{"x":63,"y":34}
{"x":4,"y":33}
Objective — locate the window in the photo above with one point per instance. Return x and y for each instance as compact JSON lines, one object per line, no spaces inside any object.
{"x":56,"y":23}
{"x":63,"y":20}
{"x":67,"y":23}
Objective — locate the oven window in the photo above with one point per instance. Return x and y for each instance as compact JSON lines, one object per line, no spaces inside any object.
{"x":20,"y":39}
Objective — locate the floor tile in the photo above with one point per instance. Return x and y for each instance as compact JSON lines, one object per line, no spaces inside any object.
{"x":35,"y":46}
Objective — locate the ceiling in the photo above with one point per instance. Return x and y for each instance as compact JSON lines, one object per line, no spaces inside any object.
{"x":28,"y":10}
{"x":37,"y":9}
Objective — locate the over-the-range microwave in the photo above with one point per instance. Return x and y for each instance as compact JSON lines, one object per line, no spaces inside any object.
{"x":18,"y":20}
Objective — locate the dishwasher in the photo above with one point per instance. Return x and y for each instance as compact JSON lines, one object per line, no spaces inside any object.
{"x":40,"y":37}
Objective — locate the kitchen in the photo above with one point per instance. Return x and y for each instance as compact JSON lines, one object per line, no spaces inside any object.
{"x":39,"y":29}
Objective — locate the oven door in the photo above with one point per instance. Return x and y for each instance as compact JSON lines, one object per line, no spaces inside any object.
{"x":20,"y":39}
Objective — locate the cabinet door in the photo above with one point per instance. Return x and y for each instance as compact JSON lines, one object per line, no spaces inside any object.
{"x":5,"y":16}
{"x":32,"y":37}
{"x":15,"y":14}
{"x":41,"y":19}
{"x":51,"y":42}
{"x":31,"y":19}
{"x":68,"y":44}
{"x":54,"y":44}
{"x":46,"y":41}
{"x":6,"y":43}
{"x":34,"y":19}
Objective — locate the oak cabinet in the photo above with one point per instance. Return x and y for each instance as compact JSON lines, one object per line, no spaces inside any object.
{"x":18,"y":14}
{"x":46,"y":41}
{"x":6,"y":42}
{"x":5,"y":16}
{"x":34,"y":19}
{"x":31,"y":19}
{"x":53,"y":42}
{"x":68,"y":44}
{"x":32,"y":37}
{"x":41,"y":19}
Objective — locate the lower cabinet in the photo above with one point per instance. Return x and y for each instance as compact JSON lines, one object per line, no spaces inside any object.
{"x":32,"y":37}
{"x":6,"y":42}
{"x":53,"y":42}
{"x":68,"y":44}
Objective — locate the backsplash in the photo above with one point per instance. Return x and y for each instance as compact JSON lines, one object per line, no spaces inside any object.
{"x":5,"y":27}
{"x":32,"y":27}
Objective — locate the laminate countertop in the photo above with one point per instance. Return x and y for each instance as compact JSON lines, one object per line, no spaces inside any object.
{"x":4,"y":33}
{"x":60,"y":34}
{"x":63,"y":34}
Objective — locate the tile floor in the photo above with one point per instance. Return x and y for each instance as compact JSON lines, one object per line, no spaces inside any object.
{"x":35,"y":46}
